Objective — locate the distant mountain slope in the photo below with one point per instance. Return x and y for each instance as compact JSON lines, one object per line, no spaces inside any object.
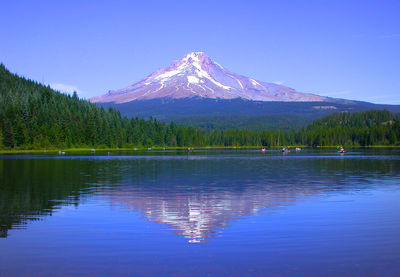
{"x":238,"y":113}
{"x":196,"y":75}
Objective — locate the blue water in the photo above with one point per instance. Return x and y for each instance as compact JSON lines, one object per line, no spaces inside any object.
{"x":201,"y":213}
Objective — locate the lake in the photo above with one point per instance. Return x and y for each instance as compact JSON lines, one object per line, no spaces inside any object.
{"x":201,"y":213}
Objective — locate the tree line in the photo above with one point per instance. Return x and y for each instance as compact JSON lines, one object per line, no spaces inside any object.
{"x":33,"y":116}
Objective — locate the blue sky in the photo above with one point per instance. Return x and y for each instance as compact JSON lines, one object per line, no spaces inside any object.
{"x":345,"y":49}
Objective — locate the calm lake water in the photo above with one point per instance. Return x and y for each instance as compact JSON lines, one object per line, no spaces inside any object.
{"x":218,"y":213}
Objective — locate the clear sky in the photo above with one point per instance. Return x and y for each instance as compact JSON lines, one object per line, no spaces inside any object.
{"x":345,"y":49}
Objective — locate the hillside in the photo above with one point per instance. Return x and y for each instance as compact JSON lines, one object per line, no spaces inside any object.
{"x":35,"y":116}
{"x":357,"y":120}
{"x":354,"y":129}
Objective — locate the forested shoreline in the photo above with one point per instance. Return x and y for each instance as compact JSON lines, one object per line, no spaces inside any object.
{"x":33,"y":116}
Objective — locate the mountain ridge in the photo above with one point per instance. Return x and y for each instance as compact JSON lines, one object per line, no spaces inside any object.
{"x":197,"y":75}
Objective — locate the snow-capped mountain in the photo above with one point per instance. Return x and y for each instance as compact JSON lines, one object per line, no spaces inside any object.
{"x":196,"y":75}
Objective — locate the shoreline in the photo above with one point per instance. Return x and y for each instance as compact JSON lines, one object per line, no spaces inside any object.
{"x":52,"y":151}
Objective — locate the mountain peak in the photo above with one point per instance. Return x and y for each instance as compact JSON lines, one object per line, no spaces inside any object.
{"x":194,"y":55}
{"x":196,"y":75}
{"x":191,"y":58}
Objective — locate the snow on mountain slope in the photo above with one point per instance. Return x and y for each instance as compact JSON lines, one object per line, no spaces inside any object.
{"x":196,"y":75}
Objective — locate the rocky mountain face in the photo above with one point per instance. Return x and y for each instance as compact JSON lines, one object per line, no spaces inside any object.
{"x":197,"y":76}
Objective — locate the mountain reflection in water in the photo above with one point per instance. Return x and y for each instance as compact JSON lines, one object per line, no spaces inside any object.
{"x":196,"y":195}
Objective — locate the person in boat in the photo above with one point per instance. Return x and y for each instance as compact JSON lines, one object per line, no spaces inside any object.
{"x":342,"y":150}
